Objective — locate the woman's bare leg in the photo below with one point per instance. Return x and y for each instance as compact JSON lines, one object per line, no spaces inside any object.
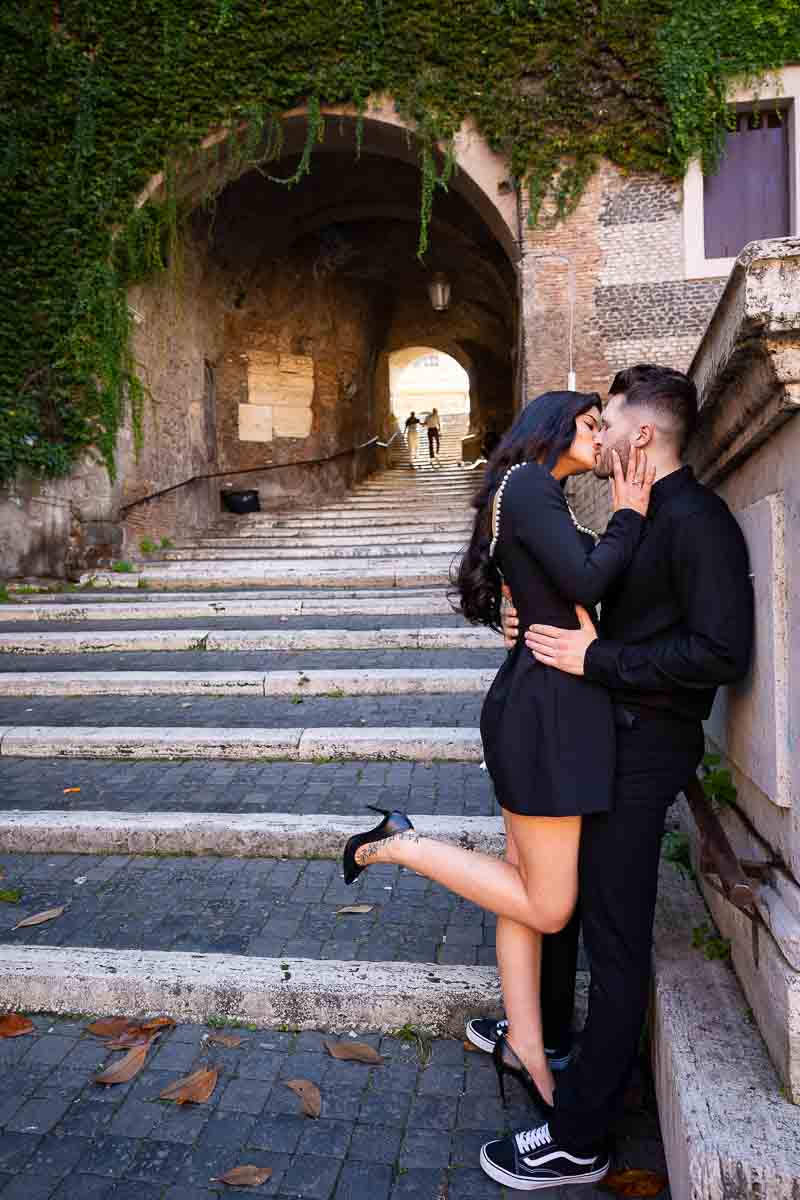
{"x":519,"y":963}
{"x":540,"y":892}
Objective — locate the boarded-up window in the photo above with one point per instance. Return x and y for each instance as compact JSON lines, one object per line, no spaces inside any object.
{"x":748,"y":197}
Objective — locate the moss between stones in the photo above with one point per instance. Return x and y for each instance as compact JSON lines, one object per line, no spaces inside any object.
{"x":98,"y":95}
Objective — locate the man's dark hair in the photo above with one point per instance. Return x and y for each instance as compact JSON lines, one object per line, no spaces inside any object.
{"x":666,"y":391}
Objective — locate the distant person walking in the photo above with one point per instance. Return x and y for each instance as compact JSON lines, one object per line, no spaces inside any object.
{"x":433,"y":425}
{"x":412,"y":436}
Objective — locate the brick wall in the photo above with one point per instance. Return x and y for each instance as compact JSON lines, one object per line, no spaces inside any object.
{"x":613,"y":273}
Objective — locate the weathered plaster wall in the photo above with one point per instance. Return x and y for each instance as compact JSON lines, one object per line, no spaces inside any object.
{"x":747,"y":370}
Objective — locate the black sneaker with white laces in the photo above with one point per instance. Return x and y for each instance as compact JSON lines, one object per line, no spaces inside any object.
{"x":532,"y":1160}
{"x":483,"y":1032}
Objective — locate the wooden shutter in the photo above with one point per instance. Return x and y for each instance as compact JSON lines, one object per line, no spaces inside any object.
{"x":748,"y":197}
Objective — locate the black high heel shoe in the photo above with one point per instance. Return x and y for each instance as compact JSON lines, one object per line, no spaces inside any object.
{"x":507,"y":1062}
{"x":392,"y":823}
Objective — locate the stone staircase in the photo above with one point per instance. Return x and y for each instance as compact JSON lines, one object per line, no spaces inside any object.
{"x":180,"y":765}
{"x":190,"y":717}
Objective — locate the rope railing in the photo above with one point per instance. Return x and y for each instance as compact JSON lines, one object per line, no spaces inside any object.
{"x":300,"y":462}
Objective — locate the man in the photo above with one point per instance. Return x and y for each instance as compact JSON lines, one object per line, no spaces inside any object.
{"x":412,"y":436}
{"x":674,"y":627}
{"x":433,"y":426}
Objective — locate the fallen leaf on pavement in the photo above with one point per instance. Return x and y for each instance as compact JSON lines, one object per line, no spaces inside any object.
{"x":353,"y":1052}
{"x":468,"y":1046}
{"x":157,"y":1023}
{"x":137,"y":1037}
{"x":2,"y":872}
{"x":634,"y":1182}
{"x":11,"y":895}
{"x":247,"y":1176}
{"x":231,"y":1040}
{"x":309,"y":1093}
{"x":354,"y":908}
{"x":14,"y":1025}
{"x":39,"y":918}
{"x":112,"y":1027}
{"x":126,"y":1067}
{"x":70,"y":791}
{"x":192,"y":1089}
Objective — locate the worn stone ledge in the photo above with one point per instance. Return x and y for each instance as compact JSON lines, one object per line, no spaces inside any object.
{"x":273,"y":835}
{"x":728,"y":1130}
{"x":299,"y":549}
{"x":167,"y":608}
{"x":364,"y":682}
{"x":249,"y":639}
{"x":325,"y":573}
{"x":300,"y":993}
{"x":424,"y":744}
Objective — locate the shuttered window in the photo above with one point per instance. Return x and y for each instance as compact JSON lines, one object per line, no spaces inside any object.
{"x":748,"y":196}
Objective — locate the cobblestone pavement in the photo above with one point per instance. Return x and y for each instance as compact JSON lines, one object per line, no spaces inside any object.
{"x":244,"y":711}
{"x":262,"y":907}
{"x":344,"y":788}
{"x":252,"y":660}
{"x":410,"y":1129}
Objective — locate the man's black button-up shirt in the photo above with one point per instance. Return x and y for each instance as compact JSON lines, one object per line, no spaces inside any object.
{"x":679,"y":622}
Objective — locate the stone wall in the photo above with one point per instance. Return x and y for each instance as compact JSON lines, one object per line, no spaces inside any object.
{"x":747,"y":370}
{"x":614,"y":274}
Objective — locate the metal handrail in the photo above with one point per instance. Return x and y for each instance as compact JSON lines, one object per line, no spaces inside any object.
{"x":300,"y":462}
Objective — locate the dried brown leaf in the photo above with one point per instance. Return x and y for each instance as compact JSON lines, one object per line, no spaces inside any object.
{"x":157,"y":1023}
{"x":2,"y":872}
{"x":468,"y":1046}
{"x":354,"y":908}
{"x":112,"y":1027}
{"x":247,"y":1176}
{"x":635,"y":1182}
{"x":194,"y":1088}
{"x":353,"y":1052}
{"x":136,"y":1037}
{"x":39,"y":918}
{"x":309,"y":1093}
{"x":14,"y":1025}
{"x":71,"y":791}
{"x":230,"y":1040}
{"x":125,"y":1068}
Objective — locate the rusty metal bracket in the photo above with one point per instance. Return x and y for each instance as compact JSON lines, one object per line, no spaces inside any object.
{"x":716,"y":853}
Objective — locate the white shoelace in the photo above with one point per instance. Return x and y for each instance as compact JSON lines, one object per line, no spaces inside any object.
{"x":533,"y":1139}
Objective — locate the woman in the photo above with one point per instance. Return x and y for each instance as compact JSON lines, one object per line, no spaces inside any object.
{"x":548,"y":737}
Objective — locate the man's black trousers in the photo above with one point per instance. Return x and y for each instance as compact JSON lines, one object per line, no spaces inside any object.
{"x":433,"y":442}
{"x":618,"y":880}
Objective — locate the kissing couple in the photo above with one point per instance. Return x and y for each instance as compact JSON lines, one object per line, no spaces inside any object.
{"x":590,"y":729}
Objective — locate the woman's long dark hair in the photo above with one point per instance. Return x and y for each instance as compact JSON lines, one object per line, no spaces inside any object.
{"x":542,"y":432}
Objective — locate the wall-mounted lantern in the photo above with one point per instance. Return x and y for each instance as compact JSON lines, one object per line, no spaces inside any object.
{"x":439,"y":292}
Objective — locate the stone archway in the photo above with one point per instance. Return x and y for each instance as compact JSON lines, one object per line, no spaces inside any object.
{"x":294,"y":298}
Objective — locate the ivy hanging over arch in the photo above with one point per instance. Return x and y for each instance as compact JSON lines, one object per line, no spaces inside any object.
{"x":99,"y":95}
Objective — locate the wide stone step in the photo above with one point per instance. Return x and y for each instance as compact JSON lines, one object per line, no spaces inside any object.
{"x":276,"y":835}
{"x":280,"y":539}
{"x":417,"y":744}
{"x":305,"y":550}
{"x":323,"y":573}
{"x":227,"y":662}
{"x":250,"y":907}
{"x":177,"y":605}
{"x":335,"y":524}
{"x":363,"y":682}
{"x":76,"y":642}
{"x":303,"y":993}
{"x":257,"y":788}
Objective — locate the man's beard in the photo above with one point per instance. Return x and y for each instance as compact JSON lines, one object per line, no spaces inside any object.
{"x":604,"y":467}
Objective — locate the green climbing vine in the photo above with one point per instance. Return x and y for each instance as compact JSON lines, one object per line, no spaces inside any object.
{"x":97,"y":96}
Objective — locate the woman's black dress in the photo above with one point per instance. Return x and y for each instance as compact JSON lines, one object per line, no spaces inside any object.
{"x":548,"y":737}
